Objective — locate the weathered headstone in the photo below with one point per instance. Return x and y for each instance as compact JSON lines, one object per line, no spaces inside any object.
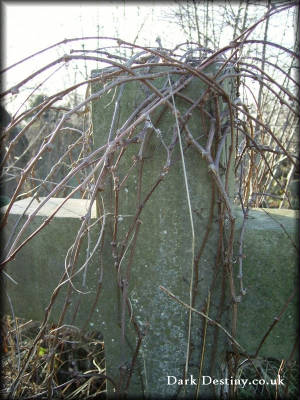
{"x":149,"y":342}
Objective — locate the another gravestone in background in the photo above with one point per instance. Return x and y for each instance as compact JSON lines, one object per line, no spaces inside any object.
{"x":27,"y":146}
{"x":16,"y":161}
{"x":76,"y":130}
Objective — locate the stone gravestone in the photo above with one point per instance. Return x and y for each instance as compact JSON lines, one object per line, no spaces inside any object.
{"x":149,"y":342}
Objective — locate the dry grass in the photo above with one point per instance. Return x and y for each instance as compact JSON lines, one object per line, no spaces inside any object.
{"x":78,"y":367}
